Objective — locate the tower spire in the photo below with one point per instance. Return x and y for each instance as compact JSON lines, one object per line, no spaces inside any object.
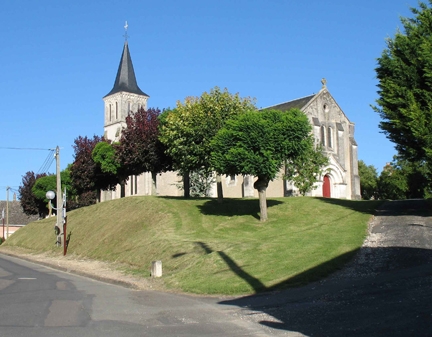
{"x":125,"y":79}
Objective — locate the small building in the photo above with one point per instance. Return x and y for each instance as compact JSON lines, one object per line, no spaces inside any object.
{"x":14,"y":216}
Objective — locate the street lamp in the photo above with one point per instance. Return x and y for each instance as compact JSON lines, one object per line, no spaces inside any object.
{"x":50,"y":195}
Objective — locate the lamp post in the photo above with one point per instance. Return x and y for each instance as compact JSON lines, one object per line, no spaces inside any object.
{"x":50,"y":195}
{"x":61,"y":212}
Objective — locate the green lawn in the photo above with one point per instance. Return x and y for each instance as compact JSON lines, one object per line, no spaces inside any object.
{"x":208,"y":247}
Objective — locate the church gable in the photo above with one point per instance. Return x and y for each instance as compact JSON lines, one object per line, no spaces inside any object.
{"x":325,"y":108}
{"x":333,"y":130}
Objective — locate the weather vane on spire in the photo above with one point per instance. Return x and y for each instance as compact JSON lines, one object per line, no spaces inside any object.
{"x":126,"y":28}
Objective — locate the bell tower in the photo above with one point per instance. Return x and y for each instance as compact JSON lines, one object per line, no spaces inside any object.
{"x":124,"y":97}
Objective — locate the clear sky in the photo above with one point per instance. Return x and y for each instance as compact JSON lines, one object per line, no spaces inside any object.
{"x":59,"y":58}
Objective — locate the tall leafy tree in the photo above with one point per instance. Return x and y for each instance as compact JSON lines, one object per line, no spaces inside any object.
{"x":29,"y":203}
{"x":140,"y":149}
{"x":188,"y":129}
{"x":404,"y":73}
{"x":368,"y":180}
{"x":258,"y":143}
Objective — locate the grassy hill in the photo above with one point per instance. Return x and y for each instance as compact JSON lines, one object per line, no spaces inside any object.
{"x":212,"y":248}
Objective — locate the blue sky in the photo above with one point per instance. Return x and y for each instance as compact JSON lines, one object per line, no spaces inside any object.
{"x":58,"y":59}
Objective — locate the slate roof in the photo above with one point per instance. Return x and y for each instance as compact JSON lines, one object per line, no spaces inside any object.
{"x":125,"y":79}
{"x":297,"y":103}
{"x":16,"y":214}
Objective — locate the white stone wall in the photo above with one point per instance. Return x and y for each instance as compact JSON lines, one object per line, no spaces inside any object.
{"x":117,"y":107}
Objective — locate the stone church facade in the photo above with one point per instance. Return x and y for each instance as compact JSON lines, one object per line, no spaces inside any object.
{"x":331,"y":128}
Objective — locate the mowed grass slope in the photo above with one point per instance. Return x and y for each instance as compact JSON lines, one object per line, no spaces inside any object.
{"x":208,"y":247}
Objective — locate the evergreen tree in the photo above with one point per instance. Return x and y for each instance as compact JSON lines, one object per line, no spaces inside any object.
{"x":404,"y":73}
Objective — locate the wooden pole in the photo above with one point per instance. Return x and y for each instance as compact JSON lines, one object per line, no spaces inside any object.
{"x":7,"y":212}
{"x":59,"y":198}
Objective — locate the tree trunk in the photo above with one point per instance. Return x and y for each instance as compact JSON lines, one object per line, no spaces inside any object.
{"x":261,"y":185}
{"x":186,"y":185}
{"x":122,"y":189}
{"x":219,"y":188}
{"x":154,"y":177}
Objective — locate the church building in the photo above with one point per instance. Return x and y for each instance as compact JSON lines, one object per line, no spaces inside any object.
{"x":331,"y":128}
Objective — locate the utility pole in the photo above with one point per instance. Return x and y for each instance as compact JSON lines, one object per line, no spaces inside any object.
{"x":59,"y":198}
{"x":3,"y":215}
{"x":7,"y":211}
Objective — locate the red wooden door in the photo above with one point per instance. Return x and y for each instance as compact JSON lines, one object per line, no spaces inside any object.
{"x":326,"y":187}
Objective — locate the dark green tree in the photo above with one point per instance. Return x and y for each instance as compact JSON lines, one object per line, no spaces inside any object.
{"x":368,"y":180}
{"x":392,"y":183}
{"x":404,"y":73}
{"x":415,"y":174}
{"x":258,"y":143}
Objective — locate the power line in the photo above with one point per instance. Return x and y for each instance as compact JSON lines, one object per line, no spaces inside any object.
{"x":25,"y":148}
{"x":47,"y":163}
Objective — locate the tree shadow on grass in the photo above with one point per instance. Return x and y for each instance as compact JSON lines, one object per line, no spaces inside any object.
{"x":235,"y":207}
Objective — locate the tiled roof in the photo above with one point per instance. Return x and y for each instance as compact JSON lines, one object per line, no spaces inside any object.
{"x":16,"y":214}
{"x":125,"y":79}
{"x":297,"y":103}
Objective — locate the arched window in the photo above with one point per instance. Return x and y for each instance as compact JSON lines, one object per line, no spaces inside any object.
{"x":323,"y":135}
{"x":129,"y":109}
{"x":116,"y":110}
{"x":329,"y":137}
{"x":110,"y":112}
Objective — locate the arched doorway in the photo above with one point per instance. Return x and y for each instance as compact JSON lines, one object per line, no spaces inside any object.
{"x":326,"y":187}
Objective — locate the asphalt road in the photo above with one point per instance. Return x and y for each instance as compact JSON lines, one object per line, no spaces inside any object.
{"x":39,"y":301}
